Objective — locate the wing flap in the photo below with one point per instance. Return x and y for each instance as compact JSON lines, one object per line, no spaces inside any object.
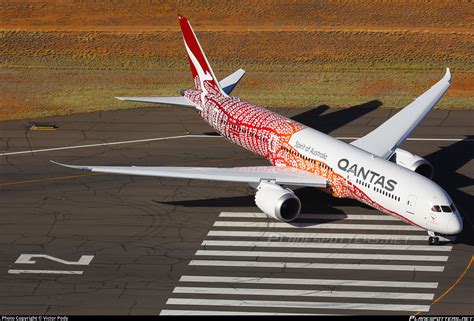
{"x":279,"y":175}
{"x":386,"y":138}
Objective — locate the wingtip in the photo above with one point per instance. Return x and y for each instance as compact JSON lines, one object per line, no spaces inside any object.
{"x":120,"y":98}
{"x":447,"y":75}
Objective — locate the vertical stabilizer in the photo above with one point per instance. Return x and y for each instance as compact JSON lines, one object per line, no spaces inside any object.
{"x":203,"y":75}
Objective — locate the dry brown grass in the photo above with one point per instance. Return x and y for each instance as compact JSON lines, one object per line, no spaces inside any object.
{"x":58,"y":57}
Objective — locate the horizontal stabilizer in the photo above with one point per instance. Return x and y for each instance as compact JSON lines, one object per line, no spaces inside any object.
{"x":278,"y":175}
{"x":228,"y":83}
{"x":177,"y":101}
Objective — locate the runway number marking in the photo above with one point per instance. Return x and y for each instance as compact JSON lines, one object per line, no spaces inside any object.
{"x":84,"y":260}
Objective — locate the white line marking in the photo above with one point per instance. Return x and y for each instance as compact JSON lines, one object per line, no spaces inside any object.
{"x":186,"y":136}
{"x":27,"y":259}
{"x":310,"y":255}
{"x":320,"y":245}
{"x":301,"y":305}
{"x":306,"y":293}
{"x":330,"y":266}
{"x":381,"y":217}
{"x":308,"y":226}
{"x":207,"y":312}
{"x":104,"y":144}
{"x":258,"y":280}
{"x":421,"y":139}
{"x":357,"y":238}
{"x":44,"y":272}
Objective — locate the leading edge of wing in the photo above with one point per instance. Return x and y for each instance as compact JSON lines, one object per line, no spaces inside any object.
{"x":383,"y":140}
{"x":177,"y":101}
{"x":278,"y":175}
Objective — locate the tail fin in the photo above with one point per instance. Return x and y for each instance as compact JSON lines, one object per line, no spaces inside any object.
{"x":203,"y":75}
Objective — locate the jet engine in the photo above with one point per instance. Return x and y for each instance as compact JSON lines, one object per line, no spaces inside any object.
{"x":277,"y":202}
{"x":412,"y":162}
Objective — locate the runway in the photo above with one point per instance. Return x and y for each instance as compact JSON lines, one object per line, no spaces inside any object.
{"x":73,"y":242}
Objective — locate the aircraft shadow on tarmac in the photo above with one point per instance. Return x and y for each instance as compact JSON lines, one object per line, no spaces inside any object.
{"x":312,"y":200}
{"x":326,"y":123}
{"x":446,"y":162}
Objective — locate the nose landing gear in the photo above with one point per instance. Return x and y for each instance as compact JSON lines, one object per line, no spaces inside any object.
{"x":433,"y":240}
{"x":436,"y":238}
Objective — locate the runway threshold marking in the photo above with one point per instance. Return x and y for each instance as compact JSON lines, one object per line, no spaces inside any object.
{"x":310,"y":226}
{"x":299,"y":281}
{"x":325,"y":255}
{"x":308,"y":265}
{"x":187,"y":136}
{"x":304,"y":293}
{"x":302,"y":305}
{"x":325,"y":245}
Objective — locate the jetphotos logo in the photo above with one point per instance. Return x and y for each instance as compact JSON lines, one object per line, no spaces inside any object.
{"x":367,"y":175}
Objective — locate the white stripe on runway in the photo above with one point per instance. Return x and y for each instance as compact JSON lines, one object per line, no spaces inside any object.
{"x":422,"y":139}
{"x":381,"y":217}
{"x":358,"y":238}
{"x":104,"y":144}
{"x":302,"y":305}
{"x":318,"y":226}
{"x":306,"y":293}
{"x":319,"y":245}
{"x":312,"y":255}
{"x":44,"y":272}
{"x":187,"y":136}
{"x":292,"y":281}
{"x":331,"y":266}
{"x":216,"y":312}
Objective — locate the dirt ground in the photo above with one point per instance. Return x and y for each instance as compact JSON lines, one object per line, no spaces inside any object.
{"x":60,"y":57}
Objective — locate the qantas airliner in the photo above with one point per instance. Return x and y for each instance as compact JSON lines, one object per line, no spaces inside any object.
{"x":371,"y":169}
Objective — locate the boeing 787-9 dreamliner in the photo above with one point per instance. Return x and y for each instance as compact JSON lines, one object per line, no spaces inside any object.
{"x":372,"y":169}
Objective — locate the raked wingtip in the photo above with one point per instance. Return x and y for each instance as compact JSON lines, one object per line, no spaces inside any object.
{"x":447,"y":75}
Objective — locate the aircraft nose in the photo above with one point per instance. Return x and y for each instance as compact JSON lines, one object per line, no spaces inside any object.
{"x":455,"y":225}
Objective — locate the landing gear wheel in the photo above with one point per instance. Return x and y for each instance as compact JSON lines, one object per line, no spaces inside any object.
{"x":433,"y":240}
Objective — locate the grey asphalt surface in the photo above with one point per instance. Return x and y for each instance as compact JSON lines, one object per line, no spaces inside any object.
{"x":144,"y":232}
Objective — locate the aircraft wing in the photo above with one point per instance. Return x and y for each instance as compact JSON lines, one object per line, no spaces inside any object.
{"x":227,"y":84}
{"x":386,"y":138}
{"x":177,"y":101}
{"x":279,"y":175}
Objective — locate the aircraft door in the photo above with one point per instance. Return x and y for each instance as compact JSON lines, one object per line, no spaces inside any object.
{"x":411,"y":204}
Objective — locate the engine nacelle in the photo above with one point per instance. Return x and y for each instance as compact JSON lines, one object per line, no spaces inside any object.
{"x":413,"y":162}
{"x":277,"y":202}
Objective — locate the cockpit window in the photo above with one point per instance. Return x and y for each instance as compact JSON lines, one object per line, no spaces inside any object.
{"x":446,"y":209}
{"x":453,"y":208}
{"x":436,"y":208}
